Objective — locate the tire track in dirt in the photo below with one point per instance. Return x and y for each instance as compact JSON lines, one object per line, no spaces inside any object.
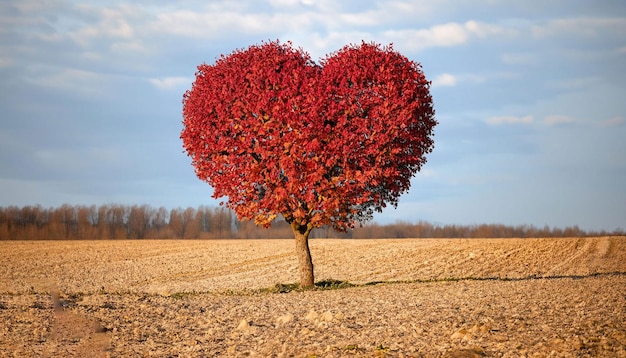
{"x":609,"y":249}
{"x":603,"y":247}
{"x":570,"y":257}
{"x":586,"y":256}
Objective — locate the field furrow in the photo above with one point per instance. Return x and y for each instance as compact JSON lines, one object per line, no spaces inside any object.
{"x":414,"y":297}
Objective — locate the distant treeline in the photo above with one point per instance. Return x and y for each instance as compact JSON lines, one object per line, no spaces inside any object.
{"x":115,"y":221}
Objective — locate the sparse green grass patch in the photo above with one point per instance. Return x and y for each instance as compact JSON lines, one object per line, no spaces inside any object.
{"x":328,"y":284}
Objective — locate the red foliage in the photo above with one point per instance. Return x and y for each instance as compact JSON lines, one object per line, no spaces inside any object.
{"x":321,"y":144}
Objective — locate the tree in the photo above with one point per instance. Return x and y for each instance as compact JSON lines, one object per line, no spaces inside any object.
{"x":324,"y":144}
{"x":181,"y":222}
{"x":139,"y":219}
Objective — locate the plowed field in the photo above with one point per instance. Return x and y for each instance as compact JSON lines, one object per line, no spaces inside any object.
{"x":561,"y":297}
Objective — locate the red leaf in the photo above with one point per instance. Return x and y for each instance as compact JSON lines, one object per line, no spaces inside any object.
{"x":276,"y":133}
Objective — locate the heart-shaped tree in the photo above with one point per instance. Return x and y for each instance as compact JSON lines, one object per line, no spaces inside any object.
{"x":323,"y":144}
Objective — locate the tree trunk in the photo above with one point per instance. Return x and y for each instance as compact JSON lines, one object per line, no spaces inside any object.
{"x":301,"y":234}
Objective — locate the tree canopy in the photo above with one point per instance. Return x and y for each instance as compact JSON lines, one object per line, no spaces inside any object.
{"x":325,"y":144}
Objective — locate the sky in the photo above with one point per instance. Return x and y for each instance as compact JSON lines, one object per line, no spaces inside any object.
{"x":530,"y":97}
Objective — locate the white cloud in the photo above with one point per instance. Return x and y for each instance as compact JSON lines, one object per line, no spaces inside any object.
{"x":280,"y":4}
{"x":319,"y":46}
{"x":130,"y":26}
{"x":445,"y":80}
{"x":553,"y":120}
{"x":186,"y":23}
{"x":498,"y":120}
{"x":76,"y":81}
{"x":388,"y":14}
{"x":170,"y":82}
{"x":612,"y":122}
{"x":367,"y":18}
{"x":445,"y":35}
{"x":450,"y":80}
{"x":560,"y":32}
{"x":581,"y":27}
{"x":113,"y":23}
{"x":482,"y":29}
{"x":227,"y":19}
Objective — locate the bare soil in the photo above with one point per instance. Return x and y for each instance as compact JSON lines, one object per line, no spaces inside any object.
{"x":413,"y":298}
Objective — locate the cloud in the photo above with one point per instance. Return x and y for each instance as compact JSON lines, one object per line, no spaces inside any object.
{"x":367,"y":18}
{"x":498,"y":120}
{"x":129,"y":47}
{"x":450,"y":80}
{"x":318,"y":45}
{"x":520,"y":58}
{"x":575,"y":83}
{"x":170,"y":82}
{"x":482,"y":29}
{"x":216,"y":22}
{"x":582,"y":27}
{"x":280,"y":4}
{"x":445,"y":35}
{"x":579,"y":39}
{"x":385,"y":14}
{"x":80,"y":82}
{"x":612,"y":122}
{"x":445,"y":80}
{"x":6,"y":61}
{"x":553,"y":120}
{"x":91,"y":23}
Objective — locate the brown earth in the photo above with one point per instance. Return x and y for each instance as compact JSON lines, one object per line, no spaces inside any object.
{"x":443,"y":297}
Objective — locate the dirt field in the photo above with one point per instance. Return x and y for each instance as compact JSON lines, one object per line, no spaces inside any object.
{"x":450,"y":298}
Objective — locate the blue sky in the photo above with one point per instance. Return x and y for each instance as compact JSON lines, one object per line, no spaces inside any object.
{"x":530,"y":97}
